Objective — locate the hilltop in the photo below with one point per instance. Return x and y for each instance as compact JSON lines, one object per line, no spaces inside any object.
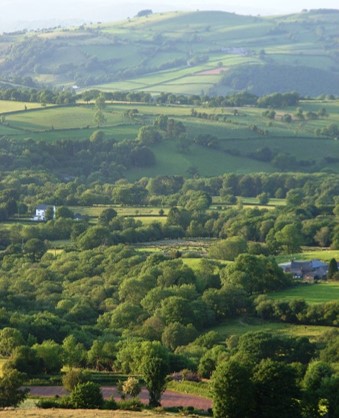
{"x":182,"y":52}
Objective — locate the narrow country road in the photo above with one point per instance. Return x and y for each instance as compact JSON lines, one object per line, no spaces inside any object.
{"x":169,"y":398}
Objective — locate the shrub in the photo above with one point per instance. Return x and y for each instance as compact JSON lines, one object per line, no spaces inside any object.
{"x":133,"y":404}
{"x":11,"y":391}
{"x":131,"y":387}
{"x":110,"y":404}
{"x":48,"y":403}
{"x":73,"y":378}
{"x":87,"y":396}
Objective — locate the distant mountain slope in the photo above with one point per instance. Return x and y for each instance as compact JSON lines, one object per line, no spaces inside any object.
{"x":213,"y":52}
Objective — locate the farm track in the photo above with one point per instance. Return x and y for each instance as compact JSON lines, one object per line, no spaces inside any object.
{"x":169,"y":398}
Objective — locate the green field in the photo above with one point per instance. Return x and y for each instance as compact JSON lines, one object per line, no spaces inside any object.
{"x":238,"y":327}
{"x":325,"y":255}
{"x":133,"y":211}
{"x":171,"y":52}
{"x":237,"y":142}
{"x":311,"y":293}
{"x":12,"y":106}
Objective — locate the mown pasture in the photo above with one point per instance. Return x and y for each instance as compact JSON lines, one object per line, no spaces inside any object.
{"x":13,"y":106}
{"x":322,"y":254}
{"x":237,"y":327}
{"x":239,"y":135}
{"x":311,"y":293}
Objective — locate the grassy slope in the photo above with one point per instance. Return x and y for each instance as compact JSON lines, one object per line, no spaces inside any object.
{"x":241,"y":326}
{"x":151,"y":45}
{"x":312,"y":293}
{"x":234,"y":134}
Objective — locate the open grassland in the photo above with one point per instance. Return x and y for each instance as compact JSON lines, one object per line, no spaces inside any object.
{"x":325,"y":255}
{"x":238,"y":327}
{"x":169,"y":51}
{"x":60,"y":118}
{"x":253,"y":202}
{"x":194,"y":388}
{"x":11,"y":106}
{"x":311,"y":293}
{"x":237,"y":140}
{"x":146,"y":220}
{"x":133,"y":211}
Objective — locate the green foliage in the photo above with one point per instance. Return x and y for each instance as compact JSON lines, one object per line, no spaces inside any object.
{"x":131,"y":387}
{"x":87,"y":396}
{"x":25,"y":360}
{"x":10,"y":338}
{"x":176,"y":334}
{"x":73,"y":352}
{"x":35,"y":248}
{"x":52,"y":355}
{"x":107,"y":215}
{"x":74,"y":377}
{"x":233,"y":392}
{"x":332,"y":268}
{"x":255,"y":273}
{"x":228,"y":249}
{"x":316,"y":378}
{"x":11,"y":391}
{"x":154,"y":368}
{"x":269,"y":377}
{"x":64,"y":212}
{"x":148,"y":135}
{"x":154,"y":372}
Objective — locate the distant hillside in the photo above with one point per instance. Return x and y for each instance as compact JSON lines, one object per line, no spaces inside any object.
{"x":189,"y":53}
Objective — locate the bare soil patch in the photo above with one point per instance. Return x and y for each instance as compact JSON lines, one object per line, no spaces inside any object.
{"x":213,"y":71}
{"x":169,"y":398}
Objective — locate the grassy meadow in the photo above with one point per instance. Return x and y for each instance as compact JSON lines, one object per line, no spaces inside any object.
{"x":179,"y":52}
{"x":322,"y":254}
{"x":237,"y":327}
{"x":237,"y":141}
{"x":311,"y":293}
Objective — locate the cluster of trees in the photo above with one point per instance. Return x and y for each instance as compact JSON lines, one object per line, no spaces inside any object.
{"x":38,"y":96}
{"x":308,"y":219}
{"x":267,"y":79}
{"x":84,"y":308}
{"x":101,"y":158}
{"x":33,"y":187}
{"x":274,"y":100}
{"x":268,"y":376}
{"x":296,"y":311}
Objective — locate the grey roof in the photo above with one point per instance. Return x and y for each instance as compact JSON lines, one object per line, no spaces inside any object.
{"x":42,"y":207}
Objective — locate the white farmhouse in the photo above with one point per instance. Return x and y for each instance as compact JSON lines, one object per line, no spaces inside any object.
{"x":40,"y":212}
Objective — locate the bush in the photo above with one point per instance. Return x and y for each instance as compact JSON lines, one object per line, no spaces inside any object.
{"x":131,"y":387}
{"x":87,"y":396}
{"x":48,"y":403}
{"x":133,"y":404}
{"x":61,"y":403}
{"x":110,"y":404}
{"x":11,"y":391}
{"x":73,"y":378}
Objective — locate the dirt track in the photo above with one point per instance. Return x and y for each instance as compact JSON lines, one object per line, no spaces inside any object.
{"x":169,"y":398}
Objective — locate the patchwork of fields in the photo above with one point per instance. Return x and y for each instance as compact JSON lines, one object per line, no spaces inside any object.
{"x":239,"y":136}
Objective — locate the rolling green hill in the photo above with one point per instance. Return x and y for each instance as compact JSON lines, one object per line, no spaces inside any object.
{"x":215,"y":139}
{"x":190,"y":53}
